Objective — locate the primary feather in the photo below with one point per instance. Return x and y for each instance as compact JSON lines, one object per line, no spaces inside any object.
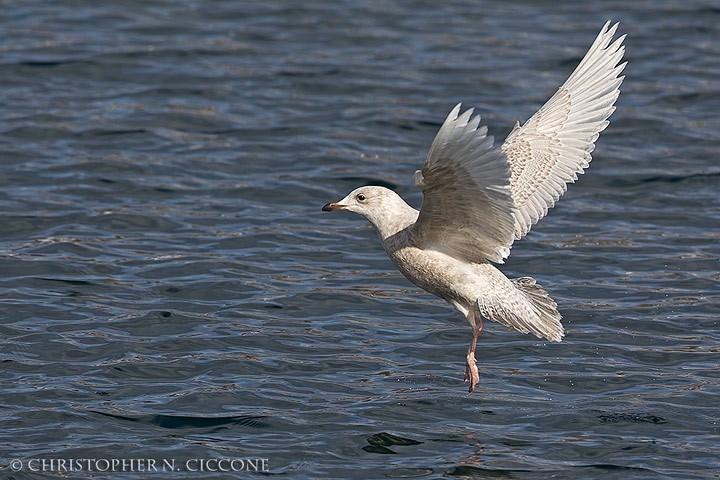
{"x":554,"y":145}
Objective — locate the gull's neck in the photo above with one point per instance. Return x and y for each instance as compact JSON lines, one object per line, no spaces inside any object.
{"x":392,"y":217}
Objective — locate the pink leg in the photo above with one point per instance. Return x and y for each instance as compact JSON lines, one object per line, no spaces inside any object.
{"x":471,"y":371}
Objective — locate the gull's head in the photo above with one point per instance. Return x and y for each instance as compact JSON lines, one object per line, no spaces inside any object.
{"x":364,"y":200}
{"x":385,"y":209}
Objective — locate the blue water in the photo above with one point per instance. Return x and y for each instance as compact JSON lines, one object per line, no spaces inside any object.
{"x":171,"y":290}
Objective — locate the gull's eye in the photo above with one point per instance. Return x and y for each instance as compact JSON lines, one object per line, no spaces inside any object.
{"x":360,"y":197}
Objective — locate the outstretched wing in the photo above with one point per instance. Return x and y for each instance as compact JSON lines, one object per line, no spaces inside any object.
{"x":554,"y":146}
{"x":467,"y":209}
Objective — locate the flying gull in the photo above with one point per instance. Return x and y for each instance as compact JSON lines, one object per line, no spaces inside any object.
{"x":478,"y":199}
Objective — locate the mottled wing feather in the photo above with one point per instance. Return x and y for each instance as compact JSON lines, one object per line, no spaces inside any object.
{"x":554,"y":145}
{"x":467,"y":208}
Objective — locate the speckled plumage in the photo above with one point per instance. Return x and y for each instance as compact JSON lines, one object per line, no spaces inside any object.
{"x":478,"y":199}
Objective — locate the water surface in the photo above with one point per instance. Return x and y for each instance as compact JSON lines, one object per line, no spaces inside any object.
{"x":171,"y":289}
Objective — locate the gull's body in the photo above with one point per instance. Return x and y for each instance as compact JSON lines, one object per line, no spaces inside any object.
{"x":478,"y":199}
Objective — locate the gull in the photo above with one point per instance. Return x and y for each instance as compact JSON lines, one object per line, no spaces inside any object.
{"x":478,"y":199}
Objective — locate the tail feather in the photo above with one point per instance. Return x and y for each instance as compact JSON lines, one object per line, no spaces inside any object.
{"x":526,"y":307}
{"x":549,"y":326}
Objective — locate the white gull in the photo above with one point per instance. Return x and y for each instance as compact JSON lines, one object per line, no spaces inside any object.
{"x":478,"y":199}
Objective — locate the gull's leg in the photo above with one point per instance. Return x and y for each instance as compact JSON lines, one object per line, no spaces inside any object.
{"x":471,"y":371}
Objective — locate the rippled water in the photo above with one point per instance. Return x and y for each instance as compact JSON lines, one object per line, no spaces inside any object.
{"x":170,"y":288}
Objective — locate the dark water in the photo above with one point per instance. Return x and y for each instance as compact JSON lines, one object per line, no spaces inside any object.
{"x":171,"y":290}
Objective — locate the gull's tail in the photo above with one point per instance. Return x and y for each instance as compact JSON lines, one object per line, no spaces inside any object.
{"x":547,"y":324}
{"x":519,"y":303}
